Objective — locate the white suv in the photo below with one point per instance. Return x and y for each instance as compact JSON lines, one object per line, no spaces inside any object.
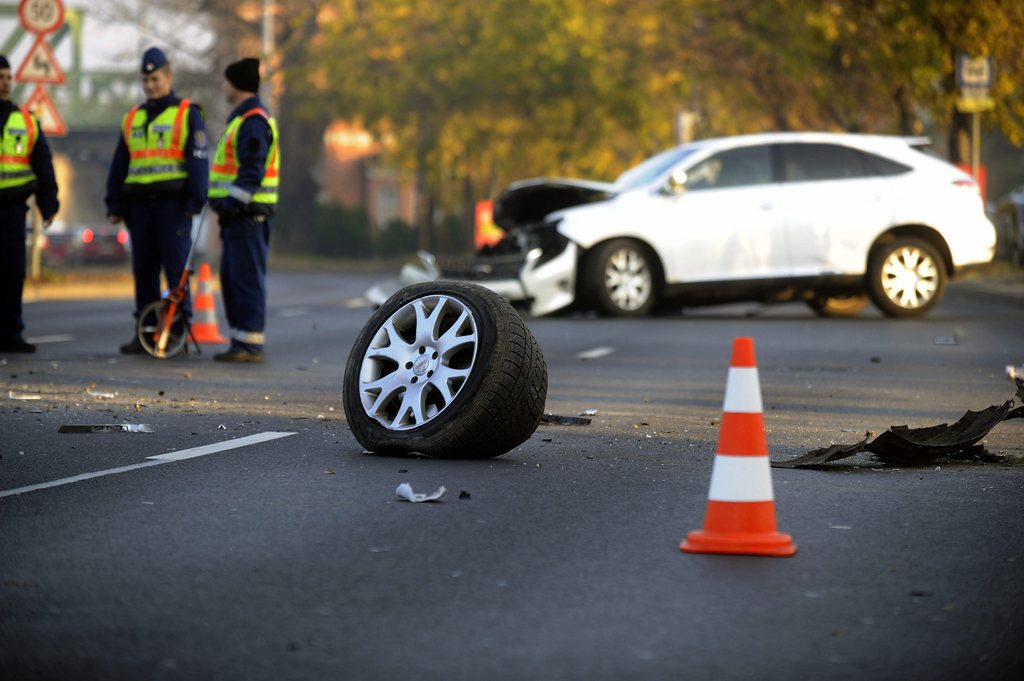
{"x":830,"y":219}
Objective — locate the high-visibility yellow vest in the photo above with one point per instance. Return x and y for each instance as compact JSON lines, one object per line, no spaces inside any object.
{"x":20,"y":134}
{"x":156,"y":148}
{"x":224,"y":170}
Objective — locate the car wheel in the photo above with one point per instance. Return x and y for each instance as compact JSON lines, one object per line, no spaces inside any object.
{"x":906,"y":277}
{"x":622,"y":278}
{"x":447,"y":369}
{"x":838,"y":306}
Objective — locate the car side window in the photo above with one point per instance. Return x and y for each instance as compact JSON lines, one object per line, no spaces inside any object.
{"x":884,"y":166}
{"x":732,"y":168}
{"x":811,"y":162}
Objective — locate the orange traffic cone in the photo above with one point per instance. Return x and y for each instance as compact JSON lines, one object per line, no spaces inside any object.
{"x":204,"y":311}
{"x":740,"y":515}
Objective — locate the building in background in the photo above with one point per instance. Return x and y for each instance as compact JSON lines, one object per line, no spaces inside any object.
{"x":355,"y":176}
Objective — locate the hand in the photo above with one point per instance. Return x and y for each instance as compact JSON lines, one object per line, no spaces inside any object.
{"x":47,"y":222}
{"x":114,"y":219}
{"x":228,"y":208}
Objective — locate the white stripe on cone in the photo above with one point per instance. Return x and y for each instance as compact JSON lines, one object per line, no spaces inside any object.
{"x":740,"y":478}
{"x":742,"y":391}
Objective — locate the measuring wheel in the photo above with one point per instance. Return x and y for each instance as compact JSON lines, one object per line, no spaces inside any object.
{"x":162,"y":329}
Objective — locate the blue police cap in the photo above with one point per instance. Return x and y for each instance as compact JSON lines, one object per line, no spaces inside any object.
{"x":153,"y":59}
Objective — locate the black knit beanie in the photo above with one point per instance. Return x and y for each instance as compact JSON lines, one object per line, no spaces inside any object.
{"x":244,"y":74}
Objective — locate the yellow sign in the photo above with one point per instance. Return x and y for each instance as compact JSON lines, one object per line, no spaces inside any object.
{"x":974,"y":103}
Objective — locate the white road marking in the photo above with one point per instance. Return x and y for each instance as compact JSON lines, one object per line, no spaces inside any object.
{"x":294,"y":312}
{"x":156,"y":460}
{"x":219,"y":446}
{"x":53,"y":338}
{"x":595,"y":353}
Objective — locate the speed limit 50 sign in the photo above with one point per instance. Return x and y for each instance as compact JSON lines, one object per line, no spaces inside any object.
{"x":41,"y":16}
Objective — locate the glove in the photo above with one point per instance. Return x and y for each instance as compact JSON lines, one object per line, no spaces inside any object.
{"x":228,"y":209}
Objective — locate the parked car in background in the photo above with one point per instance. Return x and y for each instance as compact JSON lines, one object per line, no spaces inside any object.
{"x":830,"y":219}
{"x":67,"y":245}
{"x":1010,"y":227}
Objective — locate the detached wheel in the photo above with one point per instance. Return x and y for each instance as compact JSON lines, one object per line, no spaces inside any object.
{"x":906,"y":278}
{"x":838,"y":306}
{"x":447,"y":369}
{"x":622,"y":278}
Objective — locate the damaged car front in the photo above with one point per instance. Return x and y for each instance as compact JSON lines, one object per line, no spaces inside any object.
{"x":533,"y":265}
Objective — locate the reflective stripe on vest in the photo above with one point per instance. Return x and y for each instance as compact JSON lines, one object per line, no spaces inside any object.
{"x":224,"y":169}
{"x":19,"y":139}
{"x":156,"y":148}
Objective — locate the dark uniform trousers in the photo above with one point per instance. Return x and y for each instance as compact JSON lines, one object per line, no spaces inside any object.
{"x":161,"y":236}
{"x":12,"y":267}
{"x":243,"y":272}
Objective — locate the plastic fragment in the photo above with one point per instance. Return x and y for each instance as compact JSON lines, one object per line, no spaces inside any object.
{"x":23,"y":396}
{"x":558,"y":420}
{"x":107,"y":428}
{"x":902,"y":445}
{"x":404,"y":491}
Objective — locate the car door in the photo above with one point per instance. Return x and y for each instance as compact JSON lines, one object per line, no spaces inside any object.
{"x":831,"y":199}
{"x":725,"y":224}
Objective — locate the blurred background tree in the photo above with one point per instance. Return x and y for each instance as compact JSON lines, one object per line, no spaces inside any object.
{"x":468,"y":95}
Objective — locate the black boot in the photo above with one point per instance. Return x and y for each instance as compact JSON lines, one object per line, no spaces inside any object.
{"x":16,"y":344}
{"x":133,"y":347}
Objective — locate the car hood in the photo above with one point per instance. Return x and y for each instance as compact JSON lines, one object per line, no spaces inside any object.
{"x":528,"y":201}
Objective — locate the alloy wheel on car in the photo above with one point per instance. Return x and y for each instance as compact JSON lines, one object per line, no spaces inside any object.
{"x":907,"y":278}
{"x":620,"y":279}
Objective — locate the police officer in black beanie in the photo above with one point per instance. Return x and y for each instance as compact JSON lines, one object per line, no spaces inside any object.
{"x":243,"y":193}
{"x":26,"y":168}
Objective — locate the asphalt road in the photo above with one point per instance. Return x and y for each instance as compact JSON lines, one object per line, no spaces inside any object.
{"x":287,"y":555}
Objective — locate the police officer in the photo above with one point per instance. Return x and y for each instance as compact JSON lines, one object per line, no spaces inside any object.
{"x":157,"y":182}
{"x":243,"y":193}
{"x":26,"y":168}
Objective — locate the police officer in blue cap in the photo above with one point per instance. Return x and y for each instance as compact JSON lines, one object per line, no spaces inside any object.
{"x":243,"y":192}
{"x":26,"y":168}
{"x":157,"y":182}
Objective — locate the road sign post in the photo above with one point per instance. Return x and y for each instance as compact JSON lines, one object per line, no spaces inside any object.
{"x":41,"y":17}
{"x":974,"y":77}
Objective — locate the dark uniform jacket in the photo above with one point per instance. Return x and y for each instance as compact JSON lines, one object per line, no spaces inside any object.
{"x":254,"y":140}
{"x":45,"y":185}
{"x":194,"y":191}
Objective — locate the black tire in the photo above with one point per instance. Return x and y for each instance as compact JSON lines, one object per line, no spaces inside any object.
{"x":149,"y":329}
{"x":622,"y":278}
{"x":838,"y":306}
{"x":493,"y":398}
{"x":906,"y":277}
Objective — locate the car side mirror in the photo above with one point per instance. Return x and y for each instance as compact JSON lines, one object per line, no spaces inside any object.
{"x":676,"y":182}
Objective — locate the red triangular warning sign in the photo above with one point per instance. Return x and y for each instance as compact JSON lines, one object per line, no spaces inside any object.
{"x":40,"y":104}
{"x":40,"y":65}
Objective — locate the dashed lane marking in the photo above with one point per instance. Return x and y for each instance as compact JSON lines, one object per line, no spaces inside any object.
{"x":52,"y":338}
{"x":156,"y":460}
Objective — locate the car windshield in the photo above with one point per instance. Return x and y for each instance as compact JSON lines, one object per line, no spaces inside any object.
{"x":650,"y":169}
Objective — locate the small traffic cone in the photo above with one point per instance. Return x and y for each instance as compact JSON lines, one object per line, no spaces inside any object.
{"x":204,"y":310}
{"x":740,"y":514}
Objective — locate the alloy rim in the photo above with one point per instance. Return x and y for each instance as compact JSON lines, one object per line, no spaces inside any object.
{"x":418,"y":362}
{"x":627,"y":279}
{"x":909,"y":277}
